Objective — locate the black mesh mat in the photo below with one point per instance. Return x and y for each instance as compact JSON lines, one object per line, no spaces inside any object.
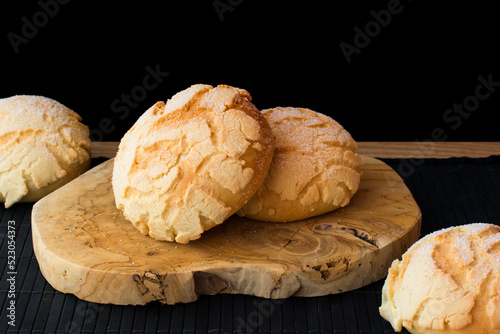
{"x":449,"y":191}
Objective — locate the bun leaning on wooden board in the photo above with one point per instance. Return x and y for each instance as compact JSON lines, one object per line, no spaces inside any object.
{"x":187,"y":165}
{"x":314,"y":170}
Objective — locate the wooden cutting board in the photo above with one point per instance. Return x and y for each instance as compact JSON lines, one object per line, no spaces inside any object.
{"x":86,"y":247}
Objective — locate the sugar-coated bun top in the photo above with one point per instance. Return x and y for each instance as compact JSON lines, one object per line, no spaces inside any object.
{"x":43,"y":145}
{"x":447,"y":282}
{"x":314,"y":170}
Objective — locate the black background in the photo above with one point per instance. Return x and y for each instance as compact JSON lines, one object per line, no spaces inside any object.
{"x":398,"y":87}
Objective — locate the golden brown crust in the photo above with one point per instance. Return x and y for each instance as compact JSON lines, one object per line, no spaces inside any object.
{"x":314,"y":170}
{"x":186,"y":166}
{"x":46,"y":146}
{"x":447,"y":282}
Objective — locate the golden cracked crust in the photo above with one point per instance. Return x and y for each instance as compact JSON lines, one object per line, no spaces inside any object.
{"x":314,"y":170}
{"x":447,"y":282}
{"x":186,"y":166}
{"x":45,"y":145}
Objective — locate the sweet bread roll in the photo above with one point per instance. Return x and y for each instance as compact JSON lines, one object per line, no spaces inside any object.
{"x":186,"y":166}
{"x":43,"y":146}
{"x":314,"y":170}
{"x":447,"y":282}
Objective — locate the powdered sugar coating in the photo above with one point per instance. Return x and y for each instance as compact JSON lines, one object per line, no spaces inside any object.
{"x":314,"y":170}
{"x":42,"y":142}
{"x":186,"y":166}
{"x":448,"y":280}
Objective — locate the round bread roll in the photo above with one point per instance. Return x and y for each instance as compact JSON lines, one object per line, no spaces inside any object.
{"x":314,"y":169}
{"x":447,"y":282}
{"x":43,"y":146}
{"x":186,"y":166}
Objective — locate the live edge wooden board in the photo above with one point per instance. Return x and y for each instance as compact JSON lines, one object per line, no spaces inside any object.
{"x":86,"y":247}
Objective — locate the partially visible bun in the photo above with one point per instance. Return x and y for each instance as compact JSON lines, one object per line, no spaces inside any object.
{"x":447,"y":282}
{"x":314,"y":170}
{"x":43,"y":145}
{"x":186,"y":166}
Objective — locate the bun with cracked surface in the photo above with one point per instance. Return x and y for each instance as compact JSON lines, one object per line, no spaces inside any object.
{"x":447,"y":282}
{"x":43,"y":145}
{"x":187,"y":165}
{"x":314,"y":170}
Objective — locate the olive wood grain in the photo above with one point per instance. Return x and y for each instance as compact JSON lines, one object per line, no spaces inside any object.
{"x":85,"y":247}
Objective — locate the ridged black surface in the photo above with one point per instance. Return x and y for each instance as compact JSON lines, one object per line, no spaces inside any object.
{"x":449,"y":192}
